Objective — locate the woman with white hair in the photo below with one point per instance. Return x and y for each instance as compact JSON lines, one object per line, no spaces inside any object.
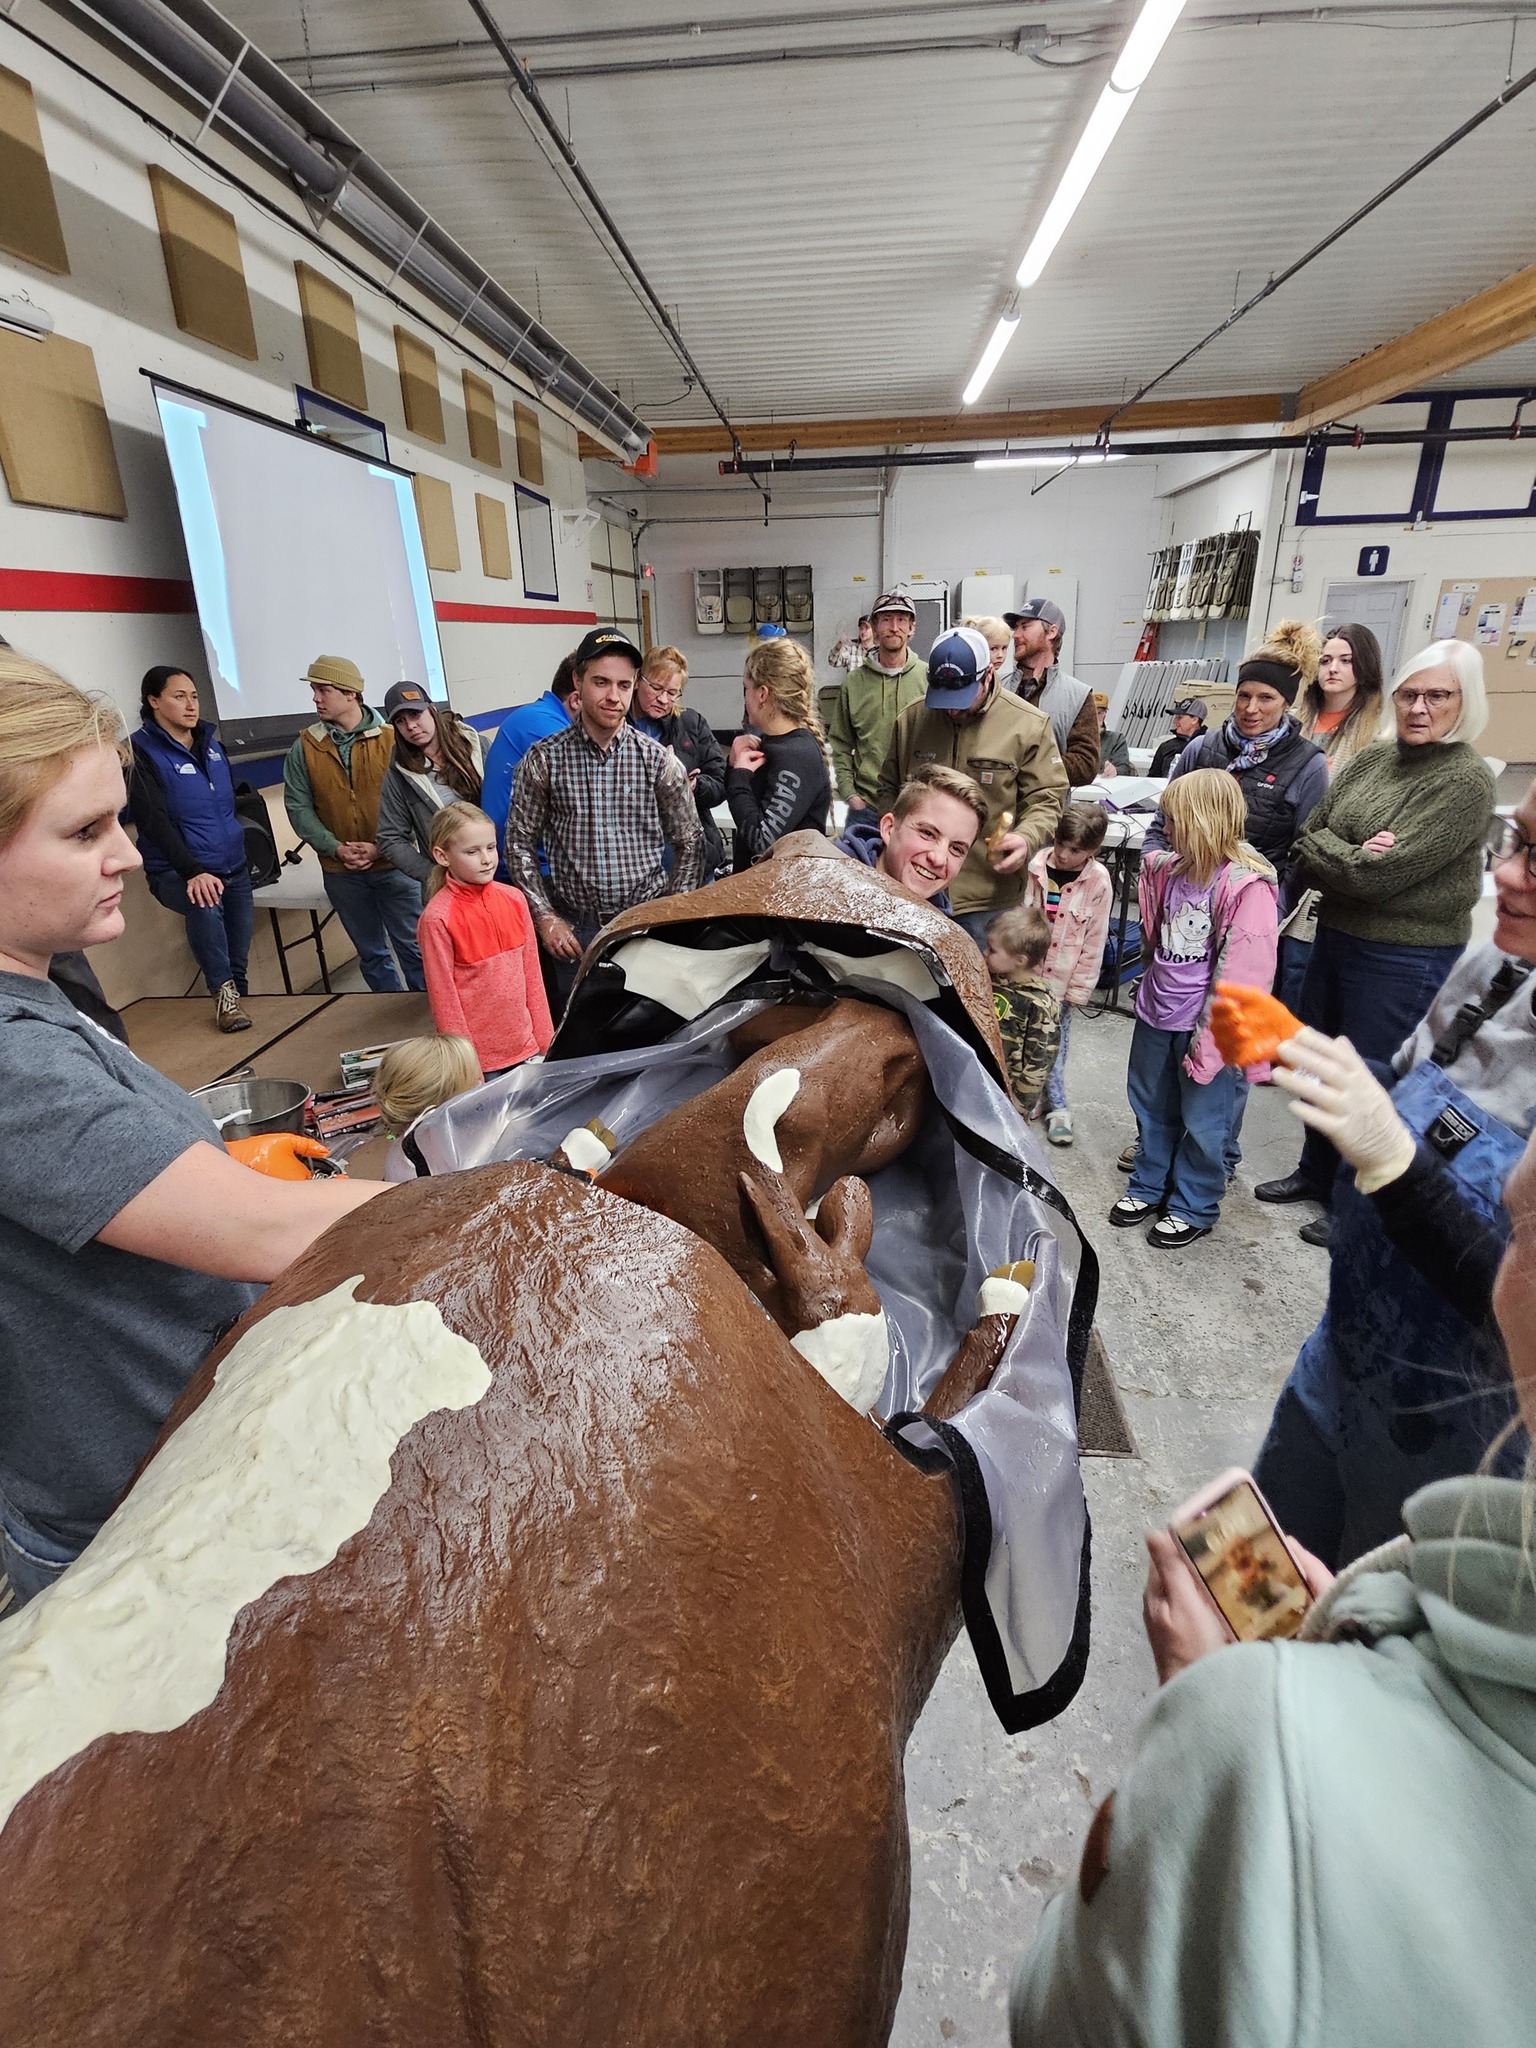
{"x":1396,"y":849}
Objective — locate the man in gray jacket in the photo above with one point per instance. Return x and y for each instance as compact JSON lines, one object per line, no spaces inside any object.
{"x":1040,"y":680}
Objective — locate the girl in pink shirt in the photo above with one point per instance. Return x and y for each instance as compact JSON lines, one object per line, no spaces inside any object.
{"x":478,"y":946}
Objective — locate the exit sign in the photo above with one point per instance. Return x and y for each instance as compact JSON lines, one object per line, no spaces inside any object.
{"x":1373,"y":562}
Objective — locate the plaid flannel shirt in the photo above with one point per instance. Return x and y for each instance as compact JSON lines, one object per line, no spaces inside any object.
{"x":604,"y":816}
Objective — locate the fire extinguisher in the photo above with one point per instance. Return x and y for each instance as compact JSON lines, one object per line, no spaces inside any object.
{"x":1146,"y":646}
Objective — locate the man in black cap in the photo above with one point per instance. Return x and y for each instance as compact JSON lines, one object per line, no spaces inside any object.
{"x":604,"y":802}
{"x":1038,"y":678}
{"x":1188,"y":724}
{"x":889,"y":678}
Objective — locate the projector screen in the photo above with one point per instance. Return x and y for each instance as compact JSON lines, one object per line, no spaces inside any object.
{"x":298,"y":548}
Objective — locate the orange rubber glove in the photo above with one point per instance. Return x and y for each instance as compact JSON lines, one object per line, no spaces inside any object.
{"x":1249,"y":1025}
{"x":279,"y":1154}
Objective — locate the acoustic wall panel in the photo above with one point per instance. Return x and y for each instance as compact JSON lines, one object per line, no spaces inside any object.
{"x":495,"y":537}
{"x":201,"y":247}
{"x":330,"y":335}
{"x":419,"y":389}
{"x":55,"y":444}
{"x":480,"y":411}
{"x":530,"y":446}
{"x":439,"y":530}
{"x":29,"y":214}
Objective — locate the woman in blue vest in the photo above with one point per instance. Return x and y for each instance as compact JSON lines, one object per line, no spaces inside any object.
{"x":181,"y":798}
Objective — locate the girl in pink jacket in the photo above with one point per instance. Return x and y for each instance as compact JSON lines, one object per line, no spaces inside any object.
{"x":1208,"y":914}
{"x":478,"y":946}
{"x":1074,"y":892}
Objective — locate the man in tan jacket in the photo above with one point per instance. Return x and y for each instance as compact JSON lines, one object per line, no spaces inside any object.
{"x":1005,"y":746}
{"x":331,"y":782}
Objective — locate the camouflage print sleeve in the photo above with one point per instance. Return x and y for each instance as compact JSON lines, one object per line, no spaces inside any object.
{"x":1029,"y":1021}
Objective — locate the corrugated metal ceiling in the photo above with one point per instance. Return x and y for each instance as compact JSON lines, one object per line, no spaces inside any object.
{"x":834,"y":237}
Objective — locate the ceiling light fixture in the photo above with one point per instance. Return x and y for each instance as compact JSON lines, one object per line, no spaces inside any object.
{"x":20,"y":316}
{"x":992,"y":354}
{"x":1045,"y":461}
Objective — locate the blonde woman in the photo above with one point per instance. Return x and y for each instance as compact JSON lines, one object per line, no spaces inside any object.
{"x":128,"y":1235}
{"x":1208,"y":912}
{"x":778,"y":780}
{"x":660,"y":713}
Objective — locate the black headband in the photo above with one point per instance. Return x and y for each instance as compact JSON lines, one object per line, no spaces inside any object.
{"x":1273,"y":671}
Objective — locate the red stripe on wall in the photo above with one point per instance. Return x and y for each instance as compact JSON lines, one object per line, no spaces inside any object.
{"x":58,"y":590}
{"x":511,"y":615}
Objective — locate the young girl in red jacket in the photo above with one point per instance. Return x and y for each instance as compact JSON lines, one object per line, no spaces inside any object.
{"x":478,"y":946}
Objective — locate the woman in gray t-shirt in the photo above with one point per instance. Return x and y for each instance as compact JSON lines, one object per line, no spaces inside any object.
{"x":128,"y":1235}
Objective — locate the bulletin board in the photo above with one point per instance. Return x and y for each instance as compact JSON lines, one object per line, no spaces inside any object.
{"x":1498,"y":615}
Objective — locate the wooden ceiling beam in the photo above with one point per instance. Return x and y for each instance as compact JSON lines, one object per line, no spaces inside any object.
{"x":773,"y":437}
{"x":1478,"y":327}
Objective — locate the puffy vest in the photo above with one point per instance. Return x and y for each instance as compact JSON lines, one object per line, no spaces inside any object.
{"x":199,"y":795}
{"x":346,"y":798}
{"x":1062,"y":698}
{"x":1273,"y":826}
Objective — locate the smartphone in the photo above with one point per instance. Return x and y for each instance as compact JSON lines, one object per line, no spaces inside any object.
{"x":1237,"y":1552}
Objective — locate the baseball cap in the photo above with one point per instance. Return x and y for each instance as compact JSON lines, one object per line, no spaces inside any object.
{"x":405,"y":697}
{"x":1039,"y":608}
{"x":606,"y":640}
{"x":770,"y":629}
{"x":336,"y":671}
{"x":956,"y":665}
{"x":894,"y":601}
{"x":1189,"y":707}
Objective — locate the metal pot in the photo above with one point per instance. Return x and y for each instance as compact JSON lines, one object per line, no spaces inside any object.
{"x":250,"y":1109}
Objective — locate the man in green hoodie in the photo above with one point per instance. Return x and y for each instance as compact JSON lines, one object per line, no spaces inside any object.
{"x":864,"y":716}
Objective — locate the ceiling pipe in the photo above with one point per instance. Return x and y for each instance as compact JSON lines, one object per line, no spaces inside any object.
{"x":264,"y":110}
{"x":1069,"y":452}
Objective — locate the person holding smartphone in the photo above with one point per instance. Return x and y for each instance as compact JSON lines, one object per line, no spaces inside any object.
{"x":1327,"y":1839}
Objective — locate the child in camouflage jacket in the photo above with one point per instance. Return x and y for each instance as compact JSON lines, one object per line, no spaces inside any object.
{"x":1028,"y":1015}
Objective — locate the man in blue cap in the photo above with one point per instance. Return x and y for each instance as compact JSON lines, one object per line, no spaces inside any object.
{"x":1006,"y":747}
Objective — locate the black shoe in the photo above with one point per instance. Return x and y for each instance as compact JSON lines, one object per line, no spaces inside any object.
{"x":1294,"y":1188}
{"x":1172,"y":1233}
{"x":1316,"y":1232}
{"x":1130,"y":1210}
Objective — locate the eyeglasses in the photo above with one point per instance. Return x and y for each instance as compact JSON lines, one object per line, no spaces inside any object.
{"x":665,"y":691}
{"x":1432,"y":700}
{"x":1507,"y":841}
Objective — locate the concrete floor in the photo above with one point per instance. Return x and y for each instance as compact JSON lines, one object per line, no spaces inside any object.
{"x":1200,"y":1341}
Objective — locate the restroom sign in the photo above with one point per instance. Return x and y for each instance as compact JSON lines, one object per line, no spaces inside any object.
{"x":1373,"y":562}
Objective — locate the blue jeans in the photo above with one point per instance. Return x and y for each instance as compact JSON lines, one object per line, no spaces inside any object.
{"x":1181,"y":1126}
{"x":378,"y":908}
{"x":30,"y":1561}
{"x":1056,"y":1080}
{"x":220,"y":938}
{"x":1373,"y":995}
{"x":1298,"y":1473}
{"x":1295,"y":954}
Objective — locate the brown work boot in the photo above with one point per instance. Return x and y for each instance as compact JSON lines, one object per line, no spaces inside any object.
{"x":227,"y":1013}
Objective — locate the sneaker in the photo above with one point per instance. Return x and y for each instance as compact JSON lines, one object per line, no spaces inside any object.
{"x":1172,"y":1233}
{"x":227,"y":1013}
{"x":1058,"y":1127}
{"x":1127,"y":1160}
{"x":1129,"y":1211}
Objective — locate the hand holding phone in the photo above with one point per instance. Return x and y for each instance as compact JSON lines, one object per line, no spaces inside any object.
{"x":1240,"y":1560}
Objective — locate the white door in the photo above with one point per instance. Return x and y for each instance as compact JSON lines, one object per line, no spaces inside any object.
{"x":1372,"y":601}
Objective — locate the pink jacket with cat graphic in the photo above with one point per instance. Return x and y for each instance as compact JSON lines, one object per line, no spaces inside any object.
{"x":1080,"y":927}
{"x":1244,"y":941}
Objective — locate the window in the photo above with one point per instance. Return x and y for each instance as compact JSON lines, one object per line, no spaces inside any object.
{"x":536,"y":534}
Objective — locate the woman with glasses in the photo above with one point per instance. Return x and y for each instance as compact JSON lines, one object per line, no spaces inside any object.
{"x":1405,"y":1379}
{"x":658,"y":710}
{"x":1395,"y":849}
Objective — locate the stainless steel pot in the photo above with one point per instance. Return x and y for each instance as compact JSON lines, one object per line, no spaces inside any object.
{"x":250,"y":1109}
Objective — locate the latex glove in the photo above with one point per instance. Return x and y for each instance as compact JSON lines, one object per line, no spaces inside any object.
{"x":278,"y":1154}
{"x":1337,"y":1094}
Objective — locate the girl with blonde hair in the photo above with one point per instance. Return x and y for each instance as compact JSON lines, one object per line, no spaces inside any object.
{"x":479,"y":950}
{"x":779,"y":779}
{"x":417,"y":1075}
{"x":128,"y":1235}
{"x":1208,"y":914}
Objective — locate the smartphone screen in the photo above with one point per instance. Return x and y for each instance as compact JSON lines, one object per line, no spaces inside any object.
{"x":1250,"y":1574}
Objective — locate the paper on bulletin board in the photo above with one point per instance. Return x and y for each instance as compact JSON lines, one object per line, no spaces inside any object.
{"x":1490,"y":624}
{"x":1497,"y":614}
{"x":1447,"y":613}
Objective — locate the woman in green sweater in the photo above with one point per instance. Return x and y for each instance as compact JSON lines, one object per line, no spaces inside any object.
{"x":1396,"y":847}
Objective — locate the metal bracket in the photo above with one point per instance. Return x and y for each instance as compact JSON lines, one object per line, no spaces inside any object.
{"x":409,"y":253}
{"x":320,"y":213}
{"x":479,"y":294}
{"x":218,"y":98}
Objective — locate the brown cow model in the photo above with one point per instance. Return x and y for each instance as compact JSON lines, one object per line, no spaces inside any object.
{"x":512,"y":1640}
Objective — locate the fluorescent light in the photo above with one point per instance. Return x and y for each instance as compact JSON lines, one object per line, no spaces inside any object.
{"x":1143,"y":45}
{"x":1045,"y":461}
{"x":991,"y":356}
{"x":1139,"y":53}
{"x":20,"y":316}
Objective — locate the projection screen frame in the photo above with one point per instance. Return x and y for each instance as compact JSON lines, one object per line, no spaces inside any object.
{"x":277,"y":734}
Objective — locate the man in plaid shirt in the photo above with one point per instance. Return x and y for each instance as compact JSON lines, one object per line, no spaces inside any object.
{"x":605,"y":802}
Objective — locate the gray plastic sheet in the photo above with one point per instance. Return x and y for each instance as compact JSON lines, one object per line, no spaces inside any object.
{"x":945,"y":1216}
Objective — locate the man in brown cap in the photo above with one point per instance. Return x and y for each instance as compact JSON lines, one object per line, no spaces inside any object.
{"x":889,"y":679}
{"x":331,"y":782}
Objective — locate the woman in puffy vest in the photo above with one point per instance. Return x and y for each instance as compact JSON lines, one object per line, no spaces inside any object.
{"x":181,"y":798}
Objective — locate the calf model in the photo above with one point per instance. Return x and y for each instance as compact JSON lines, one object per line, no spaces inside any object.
{"x":512,"y":1639}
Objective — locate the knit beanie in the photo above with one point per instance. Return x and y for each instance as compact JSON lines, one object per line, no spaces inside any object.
{"x":1288,"y":658}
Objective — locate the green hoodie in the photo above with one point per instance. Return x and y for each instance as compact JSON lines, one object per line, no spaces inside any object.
{"x":1326,"y":1843}
{"x":859,"y":730}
